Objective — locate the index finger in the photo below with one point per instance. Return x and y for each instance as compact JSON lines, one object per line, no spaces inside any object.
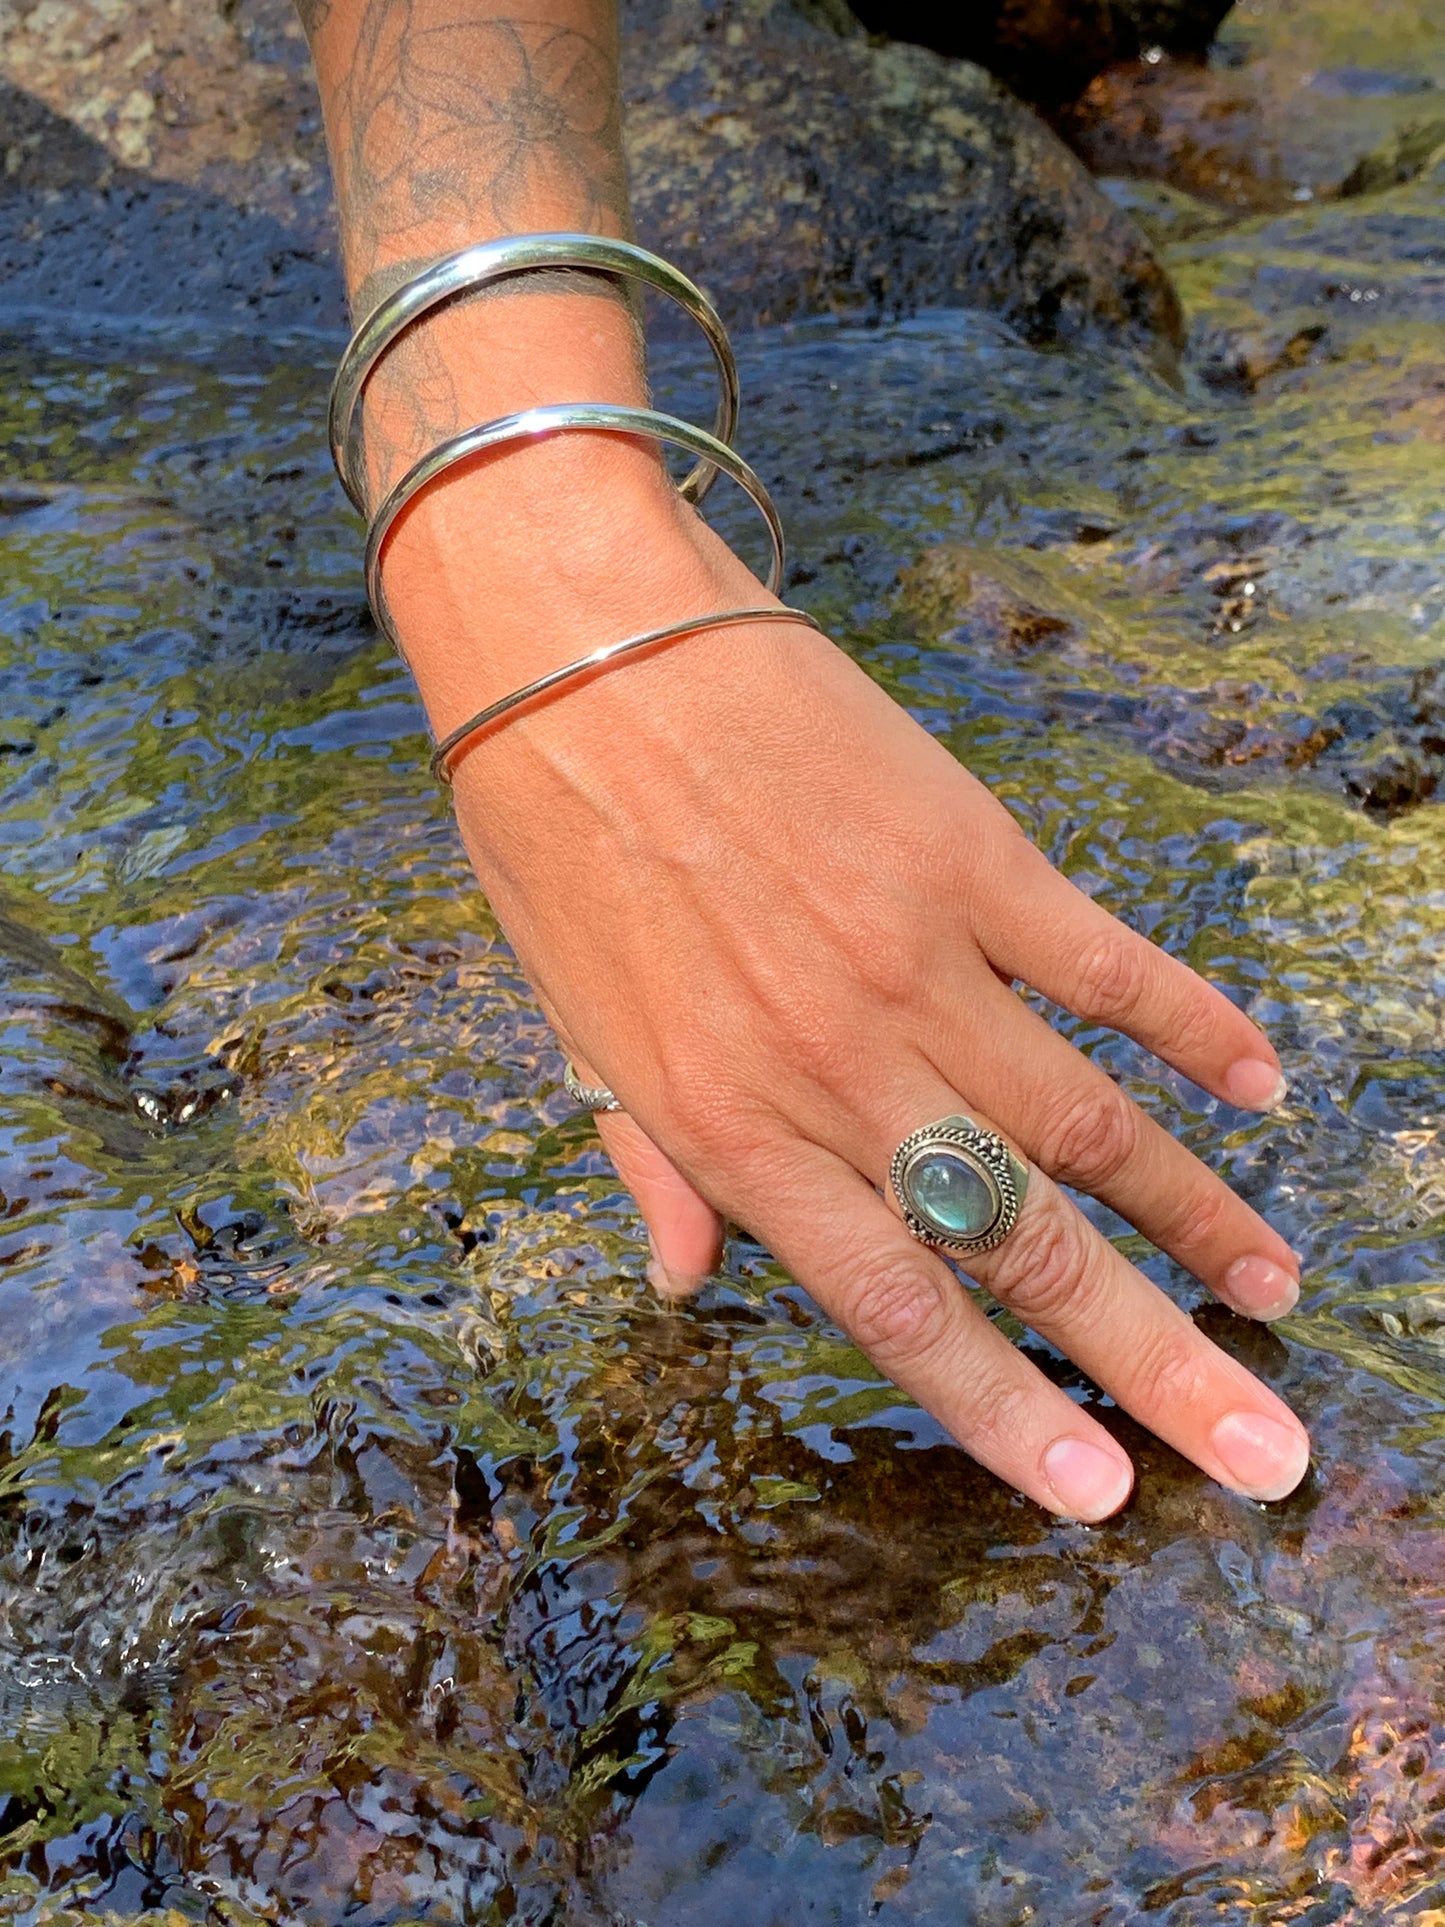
{"x":1069,"y":948}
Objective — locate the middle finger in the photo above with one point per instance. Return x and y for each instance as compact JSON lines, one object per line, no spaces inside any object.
{"x":1069,"y":1284}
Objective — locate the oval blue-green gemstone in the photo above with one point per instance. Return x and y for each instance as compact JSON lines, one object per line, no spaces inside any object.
{"x":951,"y":1193}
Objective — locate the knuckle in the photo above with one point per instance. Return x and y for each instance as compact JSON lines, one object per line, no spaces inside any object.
{"x":1113,"y":976}
{"x":693,"y":1091}
{"x":1094,"y":1136}
{"x":898,"y":1310}
{"x":997,"y":1408}
{"x":710,"y":1116}
{"x":1170,"y":1369}
{"x":1050,"y":1264}
{"x":1200,"y":1217}
{"x":1194,"y":1019}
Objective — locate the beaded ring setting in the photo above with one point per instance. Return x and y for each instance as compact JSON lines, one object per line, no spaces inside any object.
{"x":958,"y":1185}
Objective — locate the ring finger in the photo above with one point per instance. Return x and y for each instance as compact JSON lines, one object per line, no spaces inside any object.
{"x":1069,"y":1284}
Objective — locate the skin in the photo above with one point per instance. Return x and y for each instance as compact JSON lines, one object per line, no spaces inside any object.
{"x":753,"y":896}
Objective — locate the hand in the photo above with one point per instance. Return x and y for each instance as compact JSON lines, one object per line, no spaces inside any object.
{"x":783,"y":924}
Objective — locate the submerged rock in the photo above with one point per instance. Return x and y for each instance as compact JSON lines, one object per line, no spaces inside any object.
{"x":66,"y":1039}
{"x":1410,"y":151}
{"x":994,"y":599}
{"x":168,"y":160}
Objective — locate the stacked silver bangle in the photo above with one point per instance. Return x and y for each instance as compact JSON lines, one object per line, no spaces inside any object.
{"x":482,"y":266}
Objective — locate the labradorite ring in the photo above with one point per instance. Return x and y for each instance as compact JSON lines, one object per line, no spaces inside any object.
{"x":958,"y":1185}
{"x":588,"y":1097}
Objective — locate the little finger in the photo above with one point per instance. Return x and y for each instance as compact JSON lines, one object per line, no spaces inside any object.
{"x":685,"y":1232}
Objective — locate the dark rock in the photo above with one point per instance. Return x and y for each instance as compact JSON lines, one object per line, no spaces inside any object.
{"x":797,"y":171}
{"x":164,"y":160}
{"x":1239,"y":360}
{"x":1267,"y":122}
{"x":1399,"y":781}
{"x":167,"y":160}
{"x":1049,"y":50}
{"x":1201,"y":130}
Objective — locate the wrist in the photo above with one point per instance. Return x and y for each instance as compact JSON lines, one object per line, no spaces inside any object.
{"x":513,"y":567}
{"x":518,"y":345}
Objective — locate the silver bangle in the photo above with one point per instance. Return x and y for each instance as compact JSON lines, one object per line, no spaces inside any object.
{"x":490,"y":261}
{"x":533,"y":424}
{"x":609,"y":652}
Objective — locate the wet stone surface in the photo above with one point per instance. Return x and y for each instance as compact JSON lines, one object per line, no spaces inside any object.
{"x":373,"y":1548}
{"x":165,"y":158}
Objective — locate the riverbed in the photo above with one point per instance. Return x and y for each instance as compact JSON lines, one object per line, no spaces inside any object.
{"x":373,"y":1546}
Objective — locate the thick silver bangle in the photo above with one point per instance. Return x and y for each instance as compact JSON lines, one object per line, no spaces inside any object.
{"x":491,"y":261}
{"x":572,"y":671}
{"x":534,"y":424}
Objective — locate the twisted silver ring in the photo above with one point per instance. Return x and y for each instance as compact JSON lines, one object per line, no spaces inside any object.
{"x":958,"y":1185}
{"x":588,"y":1097}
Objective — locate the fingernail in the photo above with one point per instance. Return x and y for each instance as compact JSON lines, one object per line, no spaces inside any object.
{"x":1254,"y":1085}
{"x":667,"y":1284}
{"x":1088,"y":1482}
{"x":1260,"y":1288}
{"x":1265,"y":1457}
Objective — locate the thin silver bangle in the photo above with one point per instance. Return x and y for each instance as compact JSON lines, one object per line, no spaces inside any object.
{"x":534,"y":424}
{"x":609,"y":652}
{"x":480,"y":266}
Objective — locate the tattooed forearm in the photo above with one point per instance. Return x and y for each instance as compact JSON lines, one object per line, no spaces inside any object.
{"x":447,"y":121}
{"x":313,"y":16}
{"x":451,"y":121}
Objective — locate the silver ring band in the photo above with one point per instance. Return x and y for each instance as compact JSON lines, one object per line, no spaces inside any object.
{"x":492,"y":261}
{"x":588,"y":1097}
{"x":535,"y":424}
{"x":958,"y":1185}
{"x":609,"y":652}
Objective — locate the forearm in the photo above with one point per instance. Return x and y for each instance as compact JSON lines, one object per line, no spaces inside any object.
{"x":451,"y":122}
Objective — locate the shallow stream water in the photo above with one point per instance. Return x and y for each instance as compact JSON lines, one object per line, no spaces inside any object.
{"x":373,"y":1547}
